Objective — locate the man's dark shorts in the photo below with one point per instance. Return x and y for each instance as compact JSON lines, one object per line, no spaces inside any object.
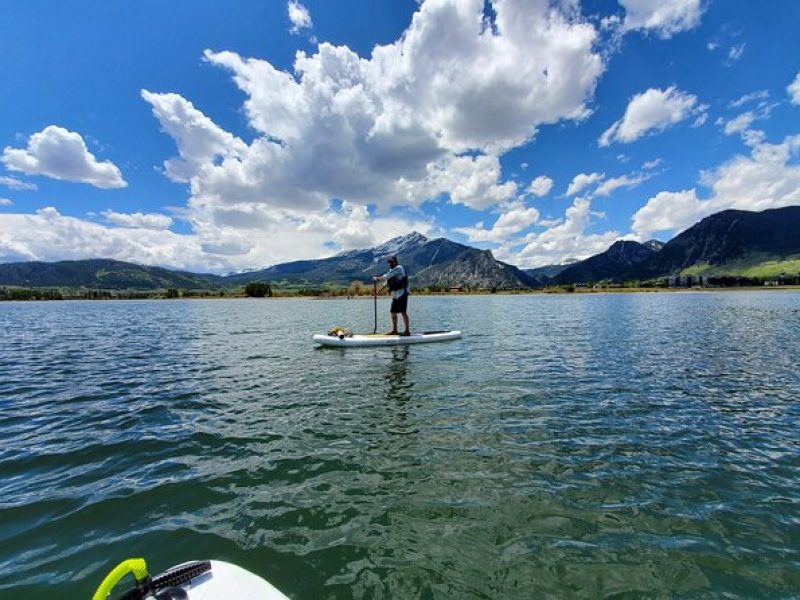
{"x":400,"y":304}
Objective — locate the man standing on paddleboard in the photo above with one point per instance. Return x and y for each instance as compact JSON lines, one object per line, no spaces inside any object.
{"x":397,"y":281}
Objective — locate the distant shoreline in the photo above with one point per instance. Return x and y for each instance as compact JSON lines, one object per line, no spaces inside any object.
{"x":109,"y":295}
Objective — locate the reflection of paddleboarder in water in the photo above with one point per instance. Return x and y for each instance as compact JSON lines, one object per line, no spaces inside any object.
{"x":398,"y":389}
{"x":397,"y":281}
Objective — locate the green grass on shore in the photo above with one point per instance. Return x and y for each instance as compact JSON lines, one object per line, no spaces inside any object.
{"x":754,"y":266}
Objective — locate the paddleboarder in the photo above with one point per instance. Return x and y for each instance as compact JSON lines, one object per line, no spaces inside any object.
{"x":397,"y":281}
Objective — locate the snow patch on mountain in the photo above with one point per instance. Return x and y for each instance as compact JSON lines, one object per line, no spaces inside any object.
{"x":394,"y":246}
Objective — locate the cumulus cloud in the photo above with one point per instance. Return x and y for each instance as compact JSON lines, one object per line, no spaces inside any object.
{"x":16,"y":184}
{"x":5,"y":202}
{"x":669,"y":211}
{"x":794,"y":89}
{"x":138,"y":220}
{"x":766,"y":178}
{"x":664,"y":18}
{"x":244,"y":236}
{"x":48,"y":235}
{"x":352,"y":226}
{"x":471,"y":181}
{"x":623,"y":181}
{"x":427,"y":115}
{"x":583,"y":180}
{"x":652,"y":111}
{"x":566,"y":240}
{"x":540,"y":186}
{"x":299,"y":16}
{"x":199,"y":140}
{"x":61,"y":154}
{"x":513,"y":219}
{"x":255,"y":235}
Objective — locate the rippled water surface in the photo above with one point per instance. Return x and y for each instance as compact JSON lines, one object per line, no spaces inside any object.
{"x":636,"y":445}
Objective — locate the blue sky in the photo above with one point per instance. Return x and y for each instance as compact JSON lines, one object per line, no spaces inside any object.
{"x":215,"y":138}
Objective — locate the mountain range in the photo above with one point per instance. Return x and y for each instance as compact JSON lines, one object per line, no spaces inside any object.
{"x":621,"y":257}
{"x":103,"y":273}
{"x":731,"y":242}
{"x":429,"y":262}
{"x":728,"y":242}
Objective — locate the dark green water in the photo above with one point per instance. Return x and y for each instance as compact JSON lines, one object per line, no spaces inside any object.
{"x":639,"y":445}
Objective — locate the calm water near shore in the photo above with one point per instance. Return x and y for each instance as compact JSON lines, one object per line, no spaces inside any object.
{"x":634,"y":445}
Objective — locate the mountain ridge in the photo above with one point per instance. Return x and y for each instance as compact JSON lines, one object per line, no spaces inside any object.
{"x":723,"y":238}
{"x":103,"y":273}
{"x":438,"y":262}
{"x":720,"y":243}
{"x":430,"y":262}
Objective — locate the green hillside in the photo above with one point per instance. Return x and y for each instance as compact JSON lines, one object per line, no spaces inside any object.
{"x":756,"y":266}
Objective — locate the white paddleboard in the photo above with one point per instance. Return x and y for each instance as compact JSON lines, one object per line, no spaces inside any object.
{"x":226,"y":581}
{"x":380,"y":339}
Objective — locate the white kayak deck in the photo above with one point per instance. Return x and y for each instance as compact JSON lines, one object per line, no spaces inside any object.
{"x":226,"y":581}
{"x":381,"y":339}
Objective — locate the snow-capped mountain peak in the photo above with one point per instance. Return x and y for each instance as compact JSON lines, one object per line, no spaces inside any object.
{"x":396,"y":245}
{"x":400,"y":244}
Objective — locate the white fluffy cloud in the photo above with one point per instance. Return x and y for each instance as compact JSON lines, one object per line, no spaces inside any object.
{"x":669,"y":211}
{"x":651,"y":111}
{"x":665,"y":18}
{"x":623,"y":181}
{"x":200,"y":142}
{"x":241,"y":236}
{"x":62,"y":154}
{"x":16,"y":184}
{"x":427,"y":115}
{"x":138,"y":220}
{"x":5,"y":202}
{"x":765,"y":179}
{"x":353,"y":227}
{"x":512,"y":220}
{"x":794,"y":89}
{"x":299,"y":16}
{"x":563,"y":241}
{"x":48,"y":235}
{"x":583,"y":180}
{"x":540,"y":186}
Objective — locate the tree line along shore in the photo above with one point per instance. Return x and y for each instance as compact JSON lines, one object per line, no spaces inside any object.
{"x":359,"y":289}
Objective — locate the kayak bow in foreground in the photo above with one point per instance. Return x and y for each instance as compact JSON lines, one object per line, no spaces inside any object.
{"x":197,"y":580}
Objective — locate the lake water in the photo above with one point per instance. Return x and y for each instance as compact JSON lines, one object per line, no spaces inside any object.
{"x":569,"y":446}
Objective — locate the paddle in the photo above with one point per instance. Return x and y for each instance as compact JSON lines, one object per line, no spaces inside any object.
{"x":375,"y":304}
